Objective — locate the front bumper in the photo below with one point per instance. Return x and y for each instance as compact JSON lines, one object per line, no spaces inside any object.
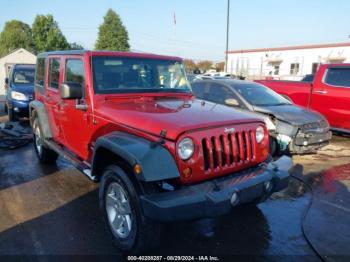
{"x":213,"y":198}
{"x":310,"y":142}
{"x":20,"y":108}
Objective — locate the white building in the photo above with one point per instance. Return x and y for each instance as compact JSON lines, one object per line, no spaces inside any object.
{"x":290,"y":63}
{"x":18,"y":56}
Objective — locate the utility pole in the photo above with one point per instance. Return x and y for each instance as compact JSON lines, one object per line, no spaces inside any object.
{"x":227,"y":34}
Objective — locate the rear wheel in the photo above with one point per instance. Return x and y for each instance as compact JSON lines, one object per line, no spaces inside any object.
{"x":119,"y":202}
{"x":45,"y":154}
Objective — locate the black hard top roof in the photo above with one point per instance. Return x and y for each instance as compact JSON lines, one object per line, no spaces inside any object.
{"x":103,"y":52}
{"x":64,"y":52}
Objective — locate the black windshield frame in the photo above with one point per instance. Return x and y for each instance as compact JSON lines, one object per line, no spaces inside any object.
{"x":156,"y":87}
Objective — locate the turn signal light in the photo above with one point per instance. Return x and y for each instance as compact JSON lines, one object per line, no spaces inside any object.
{"x":187,"y":172}
{"x":137,"y":169}
{"x":265,"y":152}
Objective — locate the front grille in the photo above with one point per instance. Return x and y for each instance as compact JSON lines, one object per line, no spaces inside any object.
{"x":30,"y":97}
{"x":315,"y":125}
{"x":228,"y":150}
{"x":311,"y":126}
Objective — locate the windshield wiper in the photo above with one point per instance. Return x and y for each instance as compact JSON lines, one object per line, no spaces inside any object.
{"x":278,"y":104}
{"x":282,"y":104}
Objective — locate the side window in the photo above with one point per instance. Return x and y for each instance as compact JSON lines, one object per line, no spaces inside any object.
{"x":338,"y":77}
{"x":74,"y":72}
{"x":40,"y":72}
{"x":54,"y":72}
{"x":219,"y":93}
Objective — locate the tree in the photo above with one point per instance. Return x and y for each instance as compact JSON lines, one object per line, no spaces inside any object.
{"x":190,"y":65}
{"x":220,"y":67}
{"x":112,"y":34}
{"x":16,"y":34}
{"x":75,"y":46}
{"x":205,"y":65}
{"x":47,"y":35}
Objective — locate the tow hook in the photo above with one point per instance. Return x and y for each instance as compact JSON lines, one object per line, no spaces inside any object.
{"x":216,"y":186}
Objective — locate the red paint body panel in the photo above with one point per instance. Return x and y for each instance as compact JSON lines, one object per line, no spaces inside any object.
{"x":146,"y":115}
{"x":175,"y":115}
{"x":331,"y":101}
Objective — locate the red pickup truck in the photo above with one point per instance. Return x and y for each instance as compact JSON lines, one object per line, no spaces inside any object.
{"x":131,"y":122}
{"x":329,"y":94}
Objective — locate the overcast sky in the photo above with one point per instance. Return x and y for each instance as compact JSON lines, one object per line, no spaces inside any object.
{"x":200,"y":29}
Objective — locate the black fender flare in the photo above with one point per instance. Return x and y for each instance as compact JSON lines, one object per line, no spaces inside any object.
{"x":40,"y":112}
{"x":156,"y":162}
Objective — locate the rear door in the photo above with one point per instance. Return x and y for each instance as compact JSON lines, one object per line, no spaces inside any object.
{"x":52,"y":96}
{"x":331,"y":96}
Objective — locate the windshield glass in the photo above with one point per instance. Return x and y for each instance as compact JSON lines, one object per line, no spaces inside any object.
{"x":125,"y":75}
{"x":23,"y":76}
{"x":259,"y":95}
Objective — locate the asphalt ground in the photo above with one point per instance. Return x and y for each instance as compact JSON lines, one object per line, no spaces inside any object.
{"x":52,"y":211}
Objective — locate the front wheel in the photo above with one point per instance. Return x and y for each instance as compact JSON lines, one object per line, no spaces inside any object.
{"x":119,"y":202}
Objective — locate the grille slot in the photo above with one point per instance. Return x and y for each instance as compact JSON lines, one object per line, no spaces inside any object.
{"x":228,"y":150}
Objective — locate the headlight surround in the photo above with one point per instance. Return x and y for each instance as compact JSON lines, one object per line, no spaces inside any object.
{"x":185,"y":148}
{"x":18,"y":96}
{"x":259,"y":134}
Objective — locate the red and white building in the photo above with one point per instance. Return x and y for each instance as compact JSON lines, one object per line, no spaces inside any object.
{"x":290,"y":63}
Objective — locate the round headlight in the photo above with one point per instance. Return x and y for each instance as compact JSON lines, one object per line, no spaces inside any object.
{"x":185,"y":148}
{"x":259,"y":134}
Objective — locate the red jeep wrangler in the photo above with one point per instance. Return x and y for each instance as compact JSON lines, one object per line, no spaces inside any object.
{"x":131,"y":122}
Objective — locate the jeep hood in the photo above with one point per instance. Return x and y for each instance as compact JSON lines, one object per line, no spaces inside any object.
{"x":291,"y":114}
{"x":174,"y":115}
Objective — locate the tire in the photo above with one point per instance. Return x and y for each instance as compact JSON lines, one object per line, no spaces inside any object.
{"x":44,"y":154}
{"x":134,"y":233}
{"x":11,"y":115}
{"x":273,"y":146}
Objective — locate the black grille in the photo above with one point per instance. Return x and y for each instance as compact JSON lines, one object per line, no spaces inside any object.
{"x":228,"y":150}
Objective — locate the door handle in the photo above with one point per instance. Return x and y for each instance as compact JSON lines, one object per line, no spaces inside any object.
{"x":321,"y":92}
{"x":61,"y":105}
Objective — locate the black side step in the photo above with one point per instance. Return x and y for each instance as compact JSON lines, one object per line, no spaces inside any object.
{"x":82,"y":166}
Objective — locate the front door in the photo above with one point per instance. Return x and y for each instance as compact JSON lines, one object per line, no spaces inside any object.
{"x":332,"y":96}
{"x":74,"y":121}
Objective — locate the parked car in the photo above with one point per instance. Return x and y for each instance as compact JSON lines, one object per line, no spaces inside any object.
{"x":160,"y":155}
{"x":190,"y":77}
{"x":328,"y":93}
{"x":293,"y":129}
{"x":19,"y":90}
{"x":308,"y":78}
{"x":209,"y":77}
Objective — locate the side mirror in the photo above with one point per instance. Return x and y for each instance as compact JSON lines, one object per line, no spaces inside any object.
{"x":231,"y":102}
{"x":71,"y":91}
{"x":6,"y":80}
